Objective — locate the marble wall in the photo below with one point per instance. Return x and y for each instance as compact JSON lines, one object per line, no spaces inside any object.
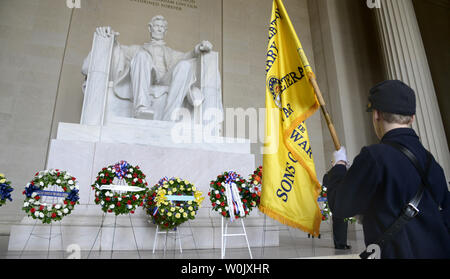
{"x":33,"y":40}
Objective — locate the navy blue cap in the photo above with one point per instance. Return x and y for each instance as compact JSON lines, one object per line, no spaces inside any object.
{"x":392,"y":96}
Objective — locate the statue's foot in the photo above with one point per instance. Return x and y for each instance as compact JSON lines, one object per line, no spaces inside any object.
{"x":142,"y":113}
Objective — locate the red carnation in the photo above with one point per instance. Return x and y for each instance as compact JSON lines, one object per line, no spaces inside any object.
{"x":217,"y":196}
{"x":37,"y":198}
{"x":129,"y":202}
{"x":72,"y":202}
{"x":209,"y":193}
{"x":65,"y":202}
{"x":133,"y":197}
{"x":107,"y":199}
{"x":224,"y":213}
{"x":132,"y":211}
{"x":253,"y":195}
{"x":134,"y":175}
{"x":166,"y":224}
{"x":118,"y":204}
{"x":57,"y":174}
{"x":140,"y":180}
{"x":103,"y":181}
{"x":32,"y":210}
{"x":244,"y":200}
{"x":324,"y":195}
{"x":222,"y":204}
{"x":53,"y":215}
{"x":142,"y":202}
{"x":41,"y":207}
{"x":219,"y":184}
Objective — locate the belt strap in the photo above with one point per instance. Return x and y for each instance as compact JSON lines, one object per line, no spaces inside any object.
{"x":411,"y":209}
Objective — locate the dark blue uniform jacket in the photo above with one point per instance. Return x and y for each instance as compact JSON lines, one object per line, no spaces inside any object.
{"x":380,"y":182}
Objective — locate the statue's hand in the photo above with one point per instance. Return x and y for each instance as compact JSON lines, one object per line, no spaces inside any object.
{"x":203,"y":47}
{"x":106,"y":32}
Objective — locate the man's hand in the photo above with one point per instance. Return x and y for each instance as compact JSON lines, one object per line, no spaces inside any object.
{"x":106,"y":32}
{"x":203,"y":47}
{"x":340,"y":157}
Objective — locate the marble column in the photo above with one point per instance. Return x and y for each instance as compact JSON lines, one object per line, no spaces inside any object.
{"x":406,"y":60}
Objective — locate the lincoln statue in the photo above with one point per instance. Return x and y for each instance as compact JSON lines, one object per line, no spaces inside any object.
{"x":154,"y":77}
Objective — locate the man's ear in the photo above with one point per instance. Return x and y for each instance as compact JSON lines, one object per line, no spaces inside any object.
{"x":377,"y":115}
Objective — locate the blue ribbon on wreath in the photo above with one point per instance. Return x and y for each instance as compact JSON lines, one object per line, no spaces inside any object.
{"x":232,"y":176}
{"x":73,"y":195}
{"x":30,"y":190}
{"x":121,"y":169}
{"x":5,"y":191}
{"x":162,"y":180}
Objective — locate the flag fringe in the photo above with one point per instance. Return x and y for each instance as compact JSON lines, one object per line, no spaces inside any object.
{"x":286,"y":221}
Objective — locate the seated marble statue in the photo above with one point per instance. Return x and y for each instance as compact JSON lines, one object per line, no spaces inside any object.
{"x":154,"y":77}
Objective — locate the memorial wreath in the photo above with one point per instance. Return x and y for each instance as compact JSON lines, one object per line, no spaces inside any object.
{"x":120,"y":188}
{"x":230,"y":186}
{"x":35,"y":204}
{"x":172,"y":202}
{"x":5,"y":189}
{"x":255,"y":182}
{"x":325,"y":209}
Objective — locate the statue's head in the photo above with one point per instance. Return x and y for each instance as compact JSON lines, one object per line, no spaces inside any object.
{"x":158,"y":27}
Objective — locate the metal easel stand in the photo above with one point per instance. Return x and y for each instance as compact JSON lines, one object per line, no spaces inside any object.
{"x":225,"y":234}
{"x":100,"y":231}
{"x":177,"y":235}
{"x":44,"y":236}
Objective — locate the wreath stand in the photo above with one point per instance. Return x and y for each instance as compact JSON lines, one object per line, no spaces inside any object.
{"x":225,"y":234}
{"x":100,"y":232}
{"x":177,"y":236}
{"x":44,"y":236}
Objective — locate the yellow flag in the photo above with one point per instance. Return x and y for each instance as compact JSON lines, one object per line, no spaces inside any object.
{"x":290,"y":186}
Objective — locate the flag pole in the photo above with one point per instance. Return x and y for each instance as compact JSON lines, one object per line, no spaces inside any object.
{"x":312,"y":79}
{"x":334,"y":136}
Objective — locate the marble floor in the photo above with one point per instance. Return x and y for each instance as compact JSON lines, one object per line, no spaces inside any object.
{"x":293,"y":244}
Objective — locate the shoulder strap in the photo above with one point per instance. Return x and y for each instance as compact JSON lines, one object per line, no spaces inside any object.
{"x":411,"y":209}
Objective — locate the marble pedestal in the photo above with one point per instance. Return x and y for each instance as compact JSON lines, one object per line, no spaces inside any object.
{"x":81,"y":151}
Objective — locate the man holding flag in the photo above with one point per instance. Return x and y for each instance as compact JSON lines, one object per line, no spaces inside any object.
{"x":290,"y":186}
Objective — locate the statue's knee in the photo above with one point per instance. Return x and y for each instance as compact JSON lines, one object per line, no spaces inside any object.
{"x":142,"y":57}
{"x":183,"y":66}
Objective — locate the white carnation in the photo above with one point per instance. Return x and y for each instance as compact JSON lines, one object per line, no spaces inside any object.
{"x":58,"y":181}
{"x":111,"y":206}
{"x":26,"y":204}
{"x":41,"y":183}
{"x":65,"y":210}
{"x":41,"y":215}
{"x":102,"y":202}
{"x":36,"y":213}
{"x":70,"y":182}
{"x":58,"y":206}
{"x":59,"y":213}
